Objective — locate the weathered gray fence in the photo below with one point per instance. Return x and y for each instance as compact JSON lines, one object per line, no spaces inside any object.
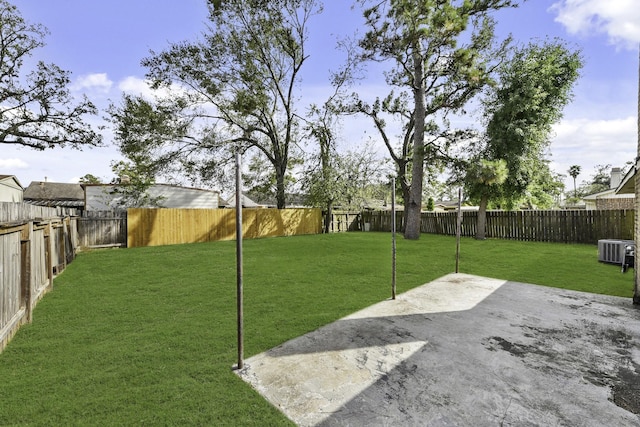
{"x":26,"y":212}
{"x":562,"y":226}
{"x":102,"y":229}
{"x":32,"y":251}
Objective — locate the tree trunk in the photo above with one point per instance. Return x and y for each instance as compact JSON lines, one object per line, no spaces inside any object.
{"x":636,"y":269}
{"x":413,"y":206}
{"x":328,"y":218}
{"x":405,"y":196}
{"x":281,"y":171}
{"x":481,"y":226}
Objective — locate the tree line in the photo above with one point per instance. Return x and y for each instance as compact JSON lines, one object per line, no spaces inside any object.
{"x":237,"y":89}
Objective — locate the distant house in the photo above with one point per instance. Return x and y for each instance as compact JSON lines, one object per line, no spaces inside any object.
{"x":10,"y":189}
{"x":451,"y":206}
{"x":628,"y":183}
{"x":105,"y":197}
{"x":54,"y":194}
{"x":611,"y":198}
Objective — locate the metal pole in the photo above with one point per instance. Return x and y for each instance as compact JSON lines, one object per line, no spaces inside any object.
{"x":458,"y":228}
{"x":240,"y":301}
{"x":636,"y":236}
{"x":393,"y":238}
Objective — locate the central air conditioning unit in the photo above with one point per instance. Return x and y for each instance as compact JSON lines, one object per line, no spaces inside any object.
{"x":613,"y":251}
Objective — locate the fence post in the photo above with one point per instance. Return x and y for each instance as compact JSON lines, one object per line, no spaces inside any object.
{"x":26,"y":238}
{"x":49,"y":248}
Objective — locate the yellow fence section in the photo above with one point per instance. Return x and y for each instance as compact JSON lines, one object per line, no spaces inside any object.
{"x":155,"y":227}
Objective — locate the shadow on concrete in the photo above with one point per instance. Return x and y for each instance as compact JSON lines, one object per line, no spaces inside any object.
{"x":517,"y":354}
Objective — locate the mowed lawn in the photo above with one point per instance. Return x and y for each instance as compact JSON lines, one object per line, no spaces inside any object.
{"x":147,"y":336}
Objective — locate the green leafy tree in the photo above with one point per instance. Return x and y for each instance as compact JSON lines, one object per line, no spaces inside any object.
{"x":599,"y":181}
{"x":237,"y":88}
{"x":485,"y":178}
{"x":322,"y":126}
{"x":131,"y":187}
{"x":440,"y":51}
{"x":259,"y":180}
{"x":545,"y":190}
{"x":400,"y":148}
{"x":534,"y":87}
{"x":36,"y":107}
{"x":90,"y":179}
{"x":430,"y":204}
{"x":350,"y":179}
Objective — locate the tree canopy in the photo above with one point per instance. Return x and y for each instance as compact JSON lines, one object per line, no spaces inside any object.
{"x":441,"y":53}
{"x":233,"y":90}
{"x":534,"y":86}
{"x":36,"y":107}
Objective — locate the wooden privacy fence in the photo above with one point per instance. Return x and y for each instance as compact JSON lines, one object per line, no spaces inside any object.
{"x":102,"y":229}
{"x":32,"y":252}
{"x":346,"y":221}
{"x":154,"y":227}
{"x":562,"y":226}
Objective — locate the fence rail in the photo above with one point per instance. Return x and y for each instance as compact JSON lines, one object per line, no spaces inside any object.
{"x":562,"y":226}
{"x":25,"y":212}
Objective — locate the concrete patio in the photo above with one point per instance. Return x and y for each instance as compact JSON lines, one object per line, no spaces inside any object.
{"x":460,"y":351}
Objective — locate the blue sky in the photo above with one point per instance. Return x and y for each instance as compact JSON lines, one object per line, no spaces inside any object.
{"x":102,"y":44}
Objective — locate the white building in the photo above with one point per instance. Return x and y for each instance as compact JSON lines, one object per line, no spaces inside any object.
{"x":105,"y":197}
{"x":10,"y":189}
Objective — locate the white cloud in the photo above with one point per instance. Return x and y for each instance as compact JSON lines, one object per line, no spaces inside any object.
{"x":618,"y":19}
{"x":13,"y":164}
{"x":137,"y":86}
{"x":97,"y":82}
{"x":589,"y":143}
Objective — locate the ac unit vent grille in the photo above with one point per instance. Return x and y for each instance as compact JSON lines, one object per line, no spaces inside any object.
{"x":613,"y":251}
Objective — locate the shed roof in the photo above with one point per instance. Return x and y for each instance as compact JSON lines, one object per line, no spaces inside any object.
{"x":54,"y":194}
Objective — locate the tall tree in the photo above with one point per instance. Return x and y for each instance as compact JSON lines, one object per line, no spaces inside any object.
{"x":322,"y":126}
{"x":534,"y":87}
{"x":396,"y":108}
{"x":237,"y":86}
{"x":440,"y":54}
{"x":36,"y":107}
{"x":574,"y":171}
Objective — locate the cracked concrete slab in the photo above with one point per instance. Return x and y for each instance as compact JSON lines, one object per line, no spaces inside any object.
{"x":463,"y":350}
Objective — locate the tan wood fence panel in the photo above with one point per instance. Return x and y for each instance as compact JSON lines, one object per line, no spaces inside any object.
{"x":154,"y":227}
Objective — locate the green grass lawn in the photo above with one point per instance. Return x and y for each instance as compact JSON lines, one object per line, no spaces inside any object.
{"x":148,"y":336}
